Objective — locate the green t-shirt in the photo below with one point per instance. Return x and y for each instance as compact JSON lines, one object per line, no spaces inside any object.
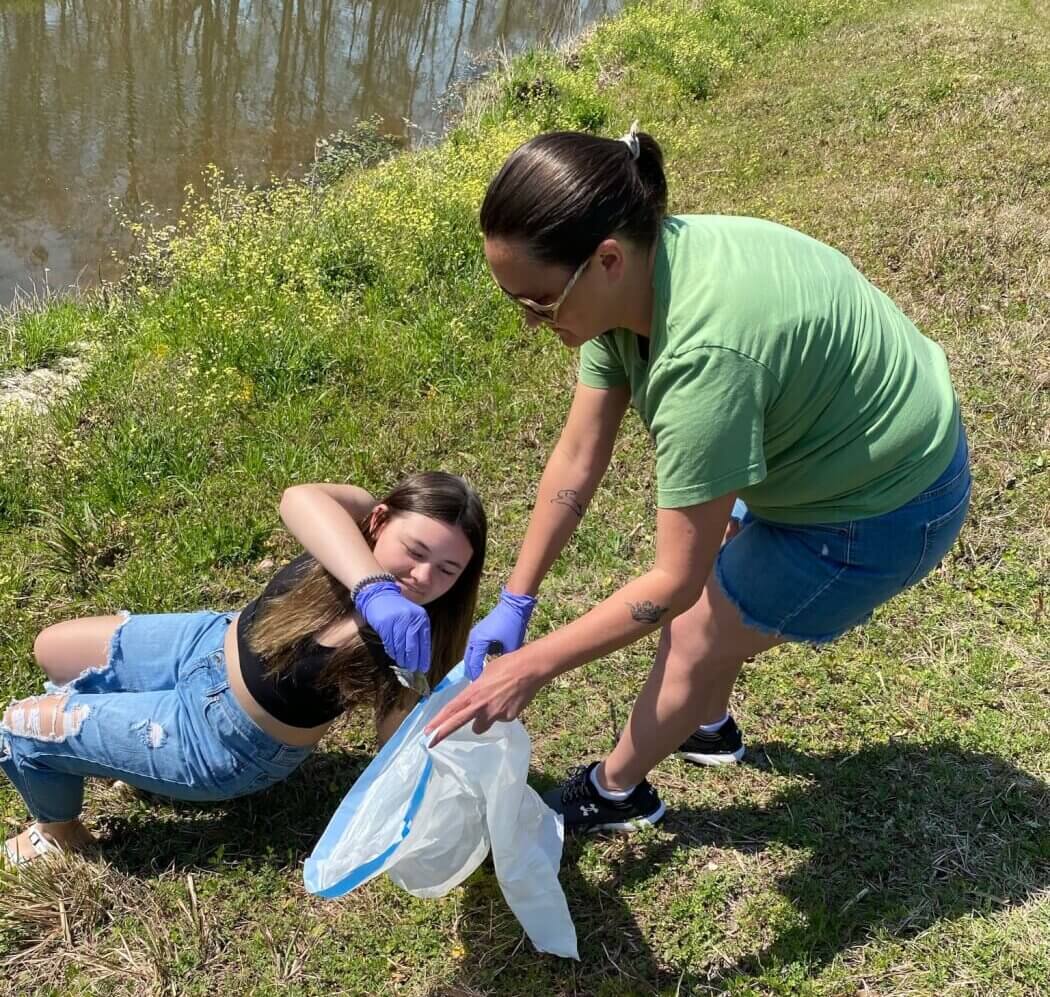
{"x":776,"y":370}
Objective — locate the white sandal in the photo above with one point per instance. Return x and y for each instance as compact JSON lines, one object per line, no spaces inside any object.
{"x":41,"y":846}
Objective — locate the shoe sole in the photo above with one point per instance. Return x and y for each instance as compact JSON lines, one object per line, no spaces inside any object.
{"x":626,"y":826}
{"x":722,"y":759}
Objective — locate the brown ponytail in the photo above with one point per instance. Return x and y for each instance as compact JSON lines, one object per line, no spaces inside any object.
{"x":562,"y":193}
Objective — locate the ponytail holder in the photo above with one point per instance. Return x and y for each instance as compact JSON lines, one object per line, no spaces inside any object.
{"x":631,"y":140}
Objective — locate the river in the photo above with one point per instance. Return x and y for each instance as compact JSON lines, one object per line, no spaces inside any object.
{"x":119,"y":104}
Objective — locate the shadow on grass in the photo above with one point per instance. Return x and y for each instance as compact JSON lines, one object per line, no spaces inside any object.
{"x":898,"y":837}
{"x":277,"y":827}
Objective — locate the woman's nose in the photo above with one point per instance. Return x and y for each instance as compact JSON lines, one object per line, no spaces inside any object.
{"x":422,"y":574}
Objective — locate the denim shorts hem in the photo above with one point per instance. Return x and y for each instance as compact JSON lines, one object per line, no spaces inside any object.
{"x":774,"y":631}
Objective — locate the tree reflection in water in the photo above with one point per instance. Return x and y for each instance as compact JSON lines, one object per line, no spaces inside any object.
{"x":130,"y":98}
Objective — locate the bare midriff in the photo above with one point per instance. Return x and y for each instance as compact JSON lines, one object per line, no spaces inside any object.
{"x":297,"y":737}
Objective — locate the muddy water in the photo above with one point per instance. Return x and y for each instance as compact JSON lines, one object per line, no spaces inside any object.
{"x":106,"y":102}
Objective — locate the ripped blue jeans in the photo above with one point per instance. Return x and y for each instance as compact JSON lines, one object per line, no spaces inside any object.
{"x":159,"y":715}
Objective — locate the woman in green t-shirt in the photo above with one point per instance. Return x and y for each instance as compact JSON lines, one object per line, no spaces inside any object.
{"x":766,"y":369}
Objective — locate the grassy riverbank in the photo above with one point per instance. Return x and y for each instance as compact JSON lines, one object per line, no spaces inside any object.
{"x":891,"y":835}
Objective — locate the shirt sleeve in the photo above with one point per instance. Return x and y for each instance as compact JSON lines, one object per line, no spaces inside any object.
{"x":708,"y":426}
{"x":600,"y":365}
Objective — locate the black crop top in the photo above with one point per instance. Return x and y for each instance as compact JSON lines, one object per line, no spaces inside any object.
{"x":295,"y":698}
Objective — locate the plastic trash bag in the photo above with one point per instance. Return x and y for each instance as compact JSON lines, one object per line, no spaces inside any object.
{"x":427,"y":817}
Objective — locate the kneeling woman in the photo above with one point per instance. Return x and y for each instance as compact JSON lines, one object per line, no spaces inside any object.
{"x":213,"y":705}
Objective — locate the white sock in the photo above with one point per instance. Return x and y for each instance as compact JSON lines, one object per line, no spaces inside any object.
{"x":610,"y":794}
{"x":715,"y":727}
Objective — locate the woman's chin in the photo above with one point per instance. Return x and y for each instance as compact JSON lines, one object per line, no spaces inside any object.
{"x":412,"y":595}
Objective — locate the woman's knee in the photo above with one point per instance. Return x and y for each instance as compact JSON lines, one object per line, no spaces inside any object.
{"x":45,"y":645}
{"x":64,"y":650}
{"x":712,"y":633}
{"x":44,"y":718}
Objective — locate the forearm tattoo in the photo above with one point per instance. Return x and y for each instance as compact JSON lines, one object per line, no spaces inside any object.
{"x":567,"y":497}
{"x":646,"y":611}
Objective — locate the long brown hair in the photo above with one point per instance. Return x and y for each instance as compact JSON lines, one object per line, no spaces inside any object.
{"x":318,"y":599}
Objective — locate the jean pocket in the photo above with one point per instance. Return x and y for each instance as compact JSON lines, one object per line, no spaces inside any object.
{"x":216,"y":689}
{"x":939,"y":535}
{"x":288,"y":756}
{"x":221,"y":726}
{"x":827,"y":543}
{"x":275,"y":770}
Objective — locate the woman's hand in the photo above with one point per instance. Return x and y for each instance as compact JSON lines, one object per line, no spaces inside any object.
{"x":402,"y":626}
{"x":501,"y":632}
{"x":505,"y":688}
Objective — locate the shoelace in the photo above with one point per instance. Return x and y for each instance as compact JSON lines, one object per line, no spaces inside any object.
{"x":578,"y":785}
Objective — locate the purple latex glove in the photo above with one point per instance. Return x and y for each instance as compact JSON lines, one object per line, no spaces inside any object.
{"x":402,"y":626}
{"x":501,"y":632}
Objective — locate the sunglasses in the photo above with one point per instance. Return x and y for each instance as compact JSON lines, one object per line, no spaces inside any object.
{"x":548,"y":313}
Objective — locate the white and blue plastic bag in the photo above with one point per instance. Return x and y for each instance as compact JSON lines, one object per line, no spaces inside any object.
{"x":427,"y":817}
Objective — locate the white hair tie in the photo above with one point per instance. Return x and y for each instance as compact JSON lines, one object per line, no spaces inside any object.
{"x":631,"y":140}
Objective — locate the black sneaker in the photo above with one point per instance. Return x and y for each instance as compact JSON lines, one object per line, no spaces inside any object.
{"x":724,"y":747}
{"x":585,"y":809}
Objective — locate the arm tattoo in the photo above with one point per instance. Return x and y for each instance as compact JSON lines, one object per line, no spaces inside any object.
{"x":646,"y":612}
{"x":567,"y":498}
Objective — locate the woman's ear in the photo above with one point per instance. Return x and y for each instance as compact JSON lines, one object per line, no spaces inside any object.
{"x":378,"y":519}
{"x":611,"y":258}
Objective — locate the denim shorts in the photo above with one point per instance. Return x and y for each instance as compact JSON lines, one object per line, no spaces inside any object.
{"x":813,"y":583}
{"x":159,"y":715}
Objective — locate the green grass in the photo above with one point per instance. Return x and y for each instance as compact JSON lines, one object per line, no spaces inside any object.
{"x":891,"y":834}
{"x":36,"y":337}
